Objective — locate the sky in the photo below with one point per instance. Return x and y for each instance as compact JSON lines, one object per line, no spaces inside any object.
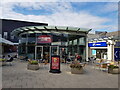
{"x":98,"y":16}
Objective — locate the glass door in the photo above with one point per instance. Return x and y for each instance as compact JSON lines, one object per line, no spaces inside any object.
{"x":39,"y":52}
{"x":54,"y":50}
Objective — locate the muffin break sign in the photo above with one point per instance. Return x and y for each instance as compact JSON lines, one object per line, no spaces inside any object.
{"x":44,"y":39}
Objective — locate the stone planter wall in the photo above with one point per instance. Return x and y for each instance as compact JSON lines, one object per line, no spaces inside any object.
{"x":114,"y":70}
{"x":3,"y":63}
{"x":77,"y":71}
{"x":33,"y":66}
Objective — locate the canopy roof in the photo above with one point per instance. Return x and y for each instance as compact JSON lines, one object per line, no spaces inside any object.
{"x":2,"y":40}
{"x":105,"y":38}
{"x":50,"y":29}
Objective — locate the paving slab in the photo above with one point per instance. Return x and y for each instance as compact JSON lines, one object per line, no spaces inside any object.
{"x":17,"y":76}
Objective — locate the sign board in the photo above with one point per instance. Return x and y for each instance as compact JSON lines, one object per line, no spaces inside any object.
{"x":93,"y":52}
{"x":55,"y":64}
{"x":44,"y":39}
{"x":117,"y":54}
{"x":97,"y":44}
{"x":56,"y":43}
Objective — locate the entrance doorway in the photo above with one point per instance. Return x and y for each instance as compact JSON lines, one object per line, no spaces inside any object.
{"x":45,"y":52}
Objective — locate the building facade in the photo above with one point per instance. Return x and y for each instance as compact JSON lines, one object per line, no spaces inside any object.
{"x":40,"y":42}
{"x":106,"y":46}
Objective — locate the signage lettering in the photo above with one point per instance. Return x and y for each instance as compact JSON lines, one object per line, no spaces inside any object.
{"x":97,"y":44}
{"x":44,"y":39}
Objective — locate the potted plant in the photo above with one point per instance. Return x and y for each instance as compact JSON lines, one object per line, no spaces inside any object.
{"x":113,"y":69}
{"x":33,"y":65}
{"x":2,"y":62}
{"x":76,"y":68}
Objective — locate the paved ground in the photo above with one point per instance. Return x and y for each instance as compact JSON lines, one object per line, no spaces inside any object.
{"x":17,"y":76}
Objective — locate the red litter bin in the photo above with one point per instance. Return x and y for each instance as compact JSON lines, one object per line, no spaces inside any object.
{"x":55,"y":64}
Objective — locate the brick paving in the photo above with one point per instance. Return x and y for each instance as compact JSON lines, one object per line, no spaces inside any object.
{"x":17,"y":76}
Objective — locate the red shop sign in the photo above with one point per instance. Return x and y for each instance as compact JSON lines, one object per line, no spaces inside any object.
{"x":55,"y":62}
{"x":44,"y":39}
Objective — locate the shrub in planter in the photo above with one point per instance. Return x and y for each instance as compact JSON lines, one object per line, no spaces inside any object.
{"x":2,"y":62}
{"x":113,"y":69}
{"x":33,"y":65}
{"x":76,"y":68}
{"x":34,"y":62}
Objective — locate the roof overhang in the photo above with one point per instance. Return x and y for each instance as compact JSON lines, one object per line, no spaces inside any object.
{"x":4,"y":41}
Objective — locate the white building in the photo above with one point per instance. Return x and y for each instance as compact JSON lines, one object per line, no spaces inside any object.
{"x":105,"y":47}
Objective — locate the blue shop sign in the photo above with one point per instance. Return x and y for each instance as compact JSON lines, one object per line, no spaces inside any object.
{"x":117,"y":54}
{"x":97,"y":44}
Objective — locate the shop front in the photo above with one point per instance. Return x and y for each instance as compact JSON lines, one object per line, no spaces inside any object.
{"x":108,"y":49}
{"x":98,"y":50}
{"x":40,"y":42}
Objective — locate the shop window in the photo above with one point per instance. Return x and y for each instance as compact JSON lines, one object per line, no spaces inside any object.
{"x":31,"y":38}
{"x":23,"y":39}
{"x":31,"y":49}
{"x":82,"y":41}
{"x":31,"y":52}
{"x":23,"y":49}
{"x":5,"y":35}
{"x":12,"y":37}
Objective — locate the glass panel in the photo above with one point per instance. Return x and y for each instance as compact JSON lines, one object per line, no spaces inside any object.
{"x":31,"y":51}
{"x":23,"y":39}
{"x":46,"y":53}
{"x":54,"y":50}
{"x":39,"y":53}
{"x":82,"y":41}
{"x":75,"y":42}
{"x":23,"y":49}
{"x":31,"y":38}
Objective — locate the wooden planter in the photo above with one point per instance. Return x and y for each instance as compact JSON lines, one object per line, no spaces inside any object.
{"x":33,"y":66}
{"x":77,"y":71}
{"x":114,"y":70}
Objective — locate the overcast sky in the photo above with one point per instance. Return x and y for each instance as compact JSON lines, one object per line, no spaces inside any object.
{"x":100,"y":16}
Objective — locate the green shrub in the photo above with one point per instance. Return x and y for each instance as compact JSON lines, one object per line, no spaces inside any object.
{"x":33,"y":62}
{"x":112,"y":66}
{"x":2,"y":59}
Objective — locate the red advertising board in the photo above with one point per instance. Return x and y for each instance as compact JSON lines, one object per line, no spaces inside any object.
{"x":44,"y":39}
{"x":55,"y":62}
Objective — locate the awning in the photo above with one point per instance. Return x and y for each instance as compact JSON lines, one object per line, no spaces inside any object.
{"x":50,"y":29}
{"x":2,"y":40}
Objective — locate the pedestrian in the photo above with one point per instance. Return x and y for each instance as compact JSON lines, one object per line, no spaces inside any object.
{"x":75,"y":61}
{"x":3,"y":57}
{"x":10,"y":59}
{"x":64,"y":55}
{"x":79,"y":58}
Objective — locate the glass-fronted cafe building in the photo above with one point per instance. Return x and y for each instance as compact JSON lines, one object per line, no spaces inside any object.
{"x":40,"y":42}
